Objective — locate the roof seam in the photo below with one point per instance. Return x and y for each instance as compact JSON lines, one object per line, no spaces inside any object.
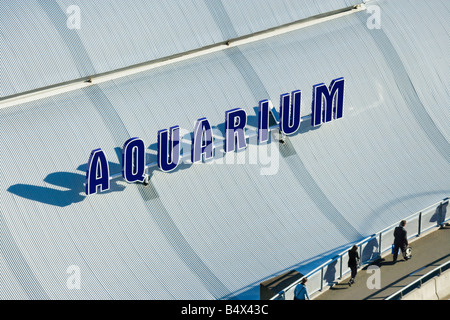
{"x":53,"y":90}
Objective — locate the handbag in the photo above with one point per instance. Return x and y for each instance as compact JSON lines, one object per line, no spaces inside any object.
{"x":392,"y":250}
{"x":408,"y":252}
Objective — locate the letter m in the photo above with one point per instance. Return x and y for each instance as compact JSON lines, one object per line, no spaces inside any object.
{"x":327,"y":103}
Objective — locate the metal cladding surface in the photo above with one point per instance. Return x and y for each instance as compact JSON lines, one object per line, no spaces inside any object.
{"x":39,"y":49}
{"x":212,"y":230}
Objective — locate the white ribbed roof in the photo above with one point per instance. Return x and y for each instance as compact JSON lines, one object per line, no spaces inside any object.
{"x":38,"y":49}
{"x":210,"y":231}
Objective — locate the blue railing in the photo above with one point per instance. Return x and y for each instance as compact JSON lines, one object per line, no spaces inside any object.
{"x":370,"y":249}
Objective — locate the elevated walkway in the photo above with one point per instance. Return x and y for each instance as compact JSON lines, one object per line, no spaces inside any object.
{"x":429,"y":251}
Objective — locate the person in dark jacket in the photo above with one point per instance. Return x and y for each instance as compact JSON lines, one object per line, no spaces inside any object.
{"x":353,"y":261}
{"x":400,"y":240}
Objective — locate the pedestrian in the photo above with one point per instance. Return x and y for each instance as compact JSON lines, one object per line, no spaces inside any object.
{"x":400,"y":241}
{"x":301,"y":292}
{"x":353,"y":262}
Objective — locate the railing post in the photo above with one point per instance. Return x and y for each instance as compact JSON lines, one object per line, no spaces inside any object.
{"x":360,"y":254}
{"x":379,"y":245}
{"x":420,"y":223}
{"x":340,"y":272}
{"x":321,"y":279}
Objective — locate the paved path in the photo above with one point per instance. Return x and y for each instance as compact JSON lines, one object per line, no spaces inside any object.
{"x":429,"y":251}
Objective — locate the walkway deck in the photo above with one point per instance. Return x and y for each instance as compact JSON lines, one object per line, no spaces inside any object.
{"x":429,"y":251}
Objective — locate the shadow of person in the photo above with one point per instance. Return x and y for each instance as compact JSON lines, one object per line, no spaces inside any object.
{"x":330,"y":273}
{"x":340,"y":286}
{"x":370,"y":251}
{"x":383,"y":262}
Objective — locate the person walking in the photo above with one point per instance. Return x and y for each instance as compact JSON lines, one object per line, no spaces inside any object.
{"x":301,"y":292}
{"x":353,"y":262}
{"x":400,"y":241}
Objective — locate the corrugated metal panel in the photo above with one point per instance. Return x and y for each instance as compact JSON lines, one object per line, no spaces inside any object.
{"x":209,"y":231}
{"x":259,"y":15}
{"x":425,"y":55}
{"x":38,"y":48}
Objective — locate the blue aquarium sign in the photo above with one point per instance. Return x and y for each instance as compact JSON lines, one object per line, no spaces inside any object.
{"x":327,"y":105}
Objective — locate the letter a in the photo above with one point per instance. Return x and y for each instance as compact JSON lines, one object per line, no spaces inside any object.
{"x":374,"y":281}
{"x":73,"y":281}
{"x":97,"y":174}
